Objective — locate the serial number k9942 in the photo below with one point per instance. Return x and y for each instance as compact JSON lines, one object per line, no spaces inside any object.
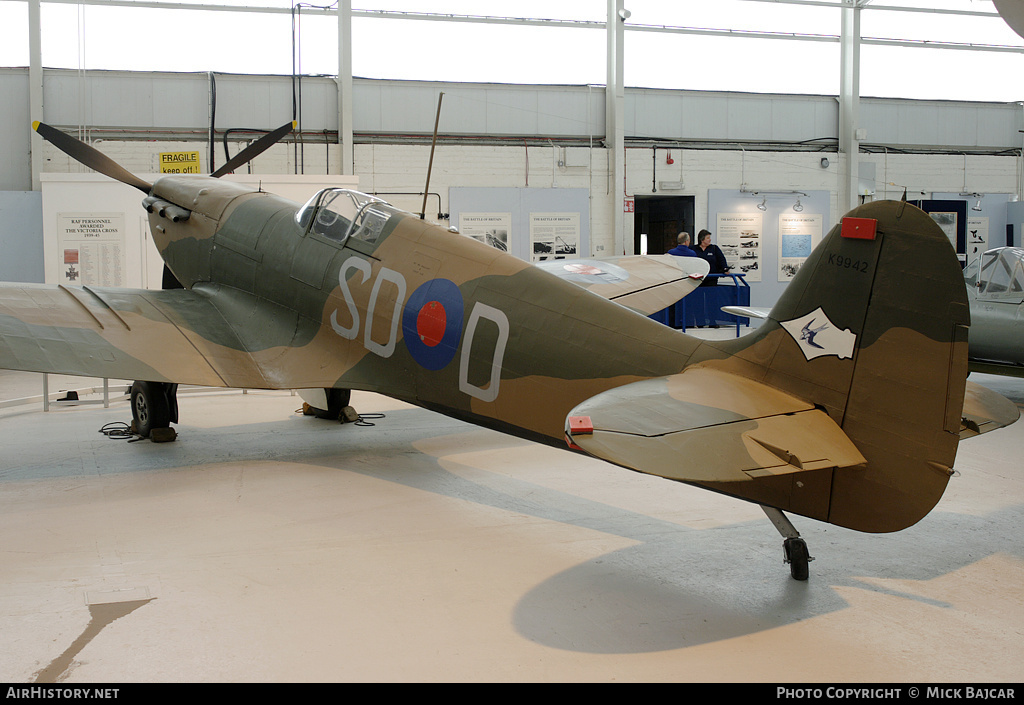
{"x":843,"y":262}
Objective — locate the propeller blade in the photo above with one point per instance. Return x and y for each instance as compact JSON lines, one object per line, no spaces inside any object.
{"x":89,"y":156}
{"x":254,"y":149}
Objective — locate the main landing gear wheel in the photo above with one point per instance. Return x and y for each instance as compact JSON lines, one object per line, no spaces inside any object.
{"x":797,"y":557}
{"x":337,"y":400}
{"x":154,"y":406}
{"x":794,"y":548}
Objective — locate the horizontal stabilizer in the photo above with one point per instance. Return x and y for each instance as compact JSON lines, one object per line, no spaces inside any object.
{"x":708,"y":426}
{"x":985,"y":410}
{"x":747,"y":311}
{"x":644,"y":283}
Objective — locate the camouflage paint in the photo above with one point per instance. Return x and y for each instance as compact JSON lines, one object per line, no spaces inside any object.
{"x":453,"y":325}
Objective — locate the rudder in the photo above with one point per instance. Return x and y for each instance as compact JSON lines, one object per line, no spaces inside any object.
{"x":873,"y":329}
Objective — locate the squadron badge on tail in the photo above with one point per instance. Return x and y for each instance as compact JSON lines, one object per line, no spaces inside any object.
{"x":817,"y":335}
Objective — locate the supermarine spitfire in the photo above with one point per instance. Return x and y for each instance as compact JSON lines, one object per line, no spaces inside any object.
{"x":859,"y":429}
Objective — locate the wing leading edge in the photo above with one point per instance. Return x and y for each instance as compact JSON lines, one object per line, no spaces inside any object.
{"x":121,"y":333}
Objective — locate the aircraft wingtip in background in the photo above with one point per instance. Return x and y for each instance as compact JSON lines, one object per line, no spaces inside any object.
{"x":1012,"y":12}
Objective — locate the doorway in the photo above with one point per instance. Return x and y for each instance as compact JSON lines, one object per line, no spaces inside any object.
{"x":659,"y":220}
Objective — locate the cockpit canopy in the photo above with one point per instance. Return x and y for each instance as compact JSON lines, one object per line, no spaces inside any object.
{"x":340,"y":214}
{"x":998,"y":275}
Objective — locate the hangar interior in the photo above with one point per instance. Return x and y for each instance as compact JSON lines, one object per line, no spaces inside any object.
{"x":630,"y":148}
{"x":267,"y":546}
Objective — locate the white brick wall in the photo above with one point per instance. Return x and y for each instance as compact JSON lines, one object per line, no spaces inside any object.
{"x":390,"y":168}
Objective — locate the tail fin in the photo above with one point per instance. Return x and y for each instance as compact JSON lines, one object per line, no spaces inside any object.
{"x":873,"y":330}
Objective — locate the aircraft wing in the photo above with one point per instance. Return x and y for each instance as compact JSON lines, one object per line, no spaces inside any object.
{"x":161,"y":336}
{"x":705,"y":425}
{"x":644,"y":283}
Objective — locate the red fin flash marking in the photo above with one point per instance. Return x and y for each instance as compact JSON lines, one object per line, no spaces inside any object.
{"x":580,"y":425}
{"x":859,"y":228}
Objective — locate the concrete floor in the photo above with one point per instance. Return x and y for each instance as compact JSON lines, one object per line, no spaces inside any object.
{"x":267,"y":546}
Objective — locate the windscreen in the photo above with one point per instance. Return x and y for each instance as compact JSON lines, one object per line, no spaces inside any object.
{"x":340,"y":214}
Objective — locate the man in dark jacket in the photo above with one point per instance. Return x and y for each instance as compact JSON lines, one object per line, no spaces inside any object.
{"x":713,"y":255}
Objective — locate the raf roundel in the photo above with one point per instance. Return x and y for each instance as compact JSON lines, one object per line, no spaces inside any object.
{"x":432,"y":323}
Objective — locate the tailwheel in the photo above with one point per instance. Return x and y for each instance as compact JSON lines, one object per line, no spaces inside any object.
{"x":154,"y":407}
{"x":794,"y":548}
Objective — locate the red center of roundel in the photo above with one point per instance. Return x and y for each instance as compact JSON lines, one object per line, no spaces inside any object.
{"x":431,"y":323}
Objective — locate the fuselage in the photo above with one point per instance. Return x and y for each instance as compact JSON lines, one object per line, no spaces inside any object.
{"x":997,"y":331}
{"x":995,"y":289}
{"x":407,"y":308}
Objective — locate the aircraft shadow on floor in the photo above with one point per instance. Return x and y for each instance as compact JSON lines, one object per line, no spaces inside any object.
{"x":675,"y":587}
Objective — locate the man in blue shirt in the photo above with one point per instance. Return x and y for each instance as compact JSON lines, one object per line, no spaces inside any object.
{"x":682,"y":248}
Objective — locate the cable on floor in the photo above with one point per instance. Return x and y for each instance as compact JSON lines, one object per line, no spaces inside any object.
{"x":120,"y":430}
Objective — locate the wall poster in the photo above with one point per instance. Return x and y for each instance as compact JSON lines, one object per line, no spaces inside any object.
{"x":799,"y":233}
{"x":977,"y":237}
{"x":489,"y":228}
{"x":739,"y":236}
{"x":946,"y":221}
{"x":92,"y":248}
{"x":554,"y":236}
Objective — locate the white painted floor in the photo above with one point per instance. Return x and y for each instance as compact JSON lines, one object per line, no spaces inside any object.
{"x":267,"y":546}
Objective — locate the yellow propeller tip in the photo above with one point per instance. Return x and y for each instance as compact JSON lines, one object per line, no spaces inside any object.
{"x":35,"y":125}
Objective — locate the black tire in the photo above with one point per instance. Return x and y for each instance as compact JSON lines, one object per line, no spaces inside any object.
{"x":337,"y":399}
{"x":798,"y":558}
{"x":151,"y":407}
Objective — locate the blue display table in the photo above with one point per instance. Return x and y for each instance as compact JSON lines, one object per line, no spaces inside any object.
{"x":703,"y":307}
